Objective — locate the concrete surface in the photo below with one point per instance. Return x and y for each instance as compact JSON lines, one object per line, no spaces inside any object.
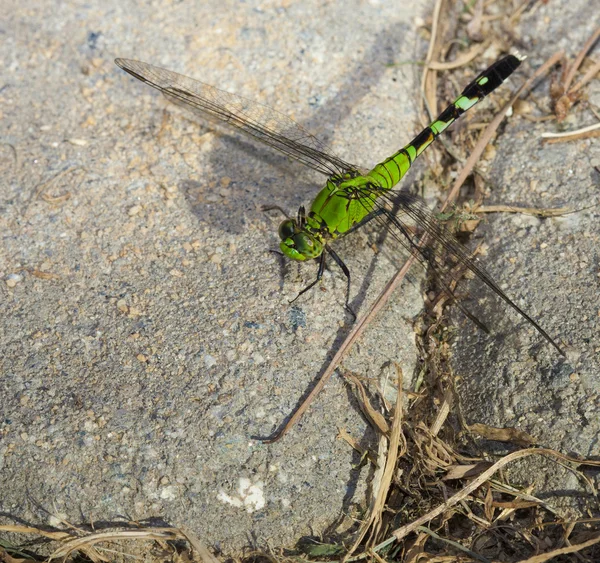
{"x":146,"y":330}
{"x":549,"y":266}
{"x":159,"y":338}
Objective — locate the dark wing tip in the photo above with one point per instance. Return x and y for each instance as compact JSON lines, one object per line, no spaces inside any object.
{"x":128,"y":65}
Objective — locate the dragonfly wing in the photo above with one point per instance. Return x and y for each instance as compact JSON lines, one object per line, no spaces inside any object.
{"x":411,"y":223}
{"x":257,"y":120}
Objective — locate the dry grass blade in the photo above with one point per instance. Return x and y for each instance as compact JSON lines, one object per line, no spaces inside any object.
{"x":461,"y":60}
{"x":442,"y":414}
{"x":428,"y":79}
{"x":373,"y":521}
{"x":475,"y":484}
{"x":537,"y":211}
{"x":562,"y":551}
{"x":584,"y":133}
{"x":30,"y":530}
{"x":521,"y":494}
{"x":375,"y":417}
{"x":515,"y":504}
{"x":512,"y":435}
{"x":466,"y":471}
{"x":86,"y":543}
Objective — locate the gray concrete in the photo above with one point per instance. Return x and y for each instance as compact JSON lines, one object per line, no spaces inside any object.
{"x":135,"y":377}
{"x":548,"y":266}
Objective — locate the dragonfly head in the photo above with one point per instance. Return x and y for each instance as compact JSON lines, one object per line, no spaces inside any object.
{"x":297,"y":243}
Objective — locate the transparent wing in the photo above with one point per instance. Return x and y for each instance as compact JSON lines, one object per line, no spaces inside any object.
{"x":257,"y":120}
{"x":409,"y":221}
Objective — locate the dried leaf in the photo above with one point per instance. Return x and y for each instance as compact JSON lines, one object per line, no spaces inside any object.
{"x":488,"y":504}
{"x":374,"y":416}
{"x":465,"y":471}
{"x":512,"y":435}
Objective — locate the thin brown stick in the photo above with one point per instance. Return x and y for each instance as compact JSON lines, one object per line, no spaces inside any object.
{"x":354,"y":334}
{"x":579,"y":59}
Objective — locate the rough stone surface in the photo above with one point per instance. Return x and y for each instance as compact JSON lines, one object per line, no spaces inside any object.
{"x":146,"y":330}
{"x":550,"y":267}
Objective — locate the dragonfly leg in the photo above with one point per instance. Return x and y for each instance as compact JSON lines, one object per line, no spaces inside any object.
{"x":346,"y":271}
{"x":317,"y":279}
{"x":302,"y":217}
{"x":271,"y":207}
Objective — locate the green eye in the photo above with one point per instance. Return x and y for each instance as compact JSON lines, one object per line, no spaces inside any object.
{"x":304,"y":243}
{"x":307,"y":245}
{"x":287,"y":229}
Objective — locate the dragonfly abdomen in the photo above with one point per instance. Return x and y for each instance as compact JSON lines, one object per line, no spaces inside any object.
{"x":389,"y":172}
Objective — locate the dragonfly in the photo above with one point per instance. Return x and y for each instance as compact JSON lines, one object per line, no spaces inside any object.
{"x":351,"y":196}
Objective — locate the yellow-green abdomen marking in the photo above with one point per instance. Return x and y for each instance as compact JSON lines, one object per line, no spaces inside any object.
{"x":389,"y":172}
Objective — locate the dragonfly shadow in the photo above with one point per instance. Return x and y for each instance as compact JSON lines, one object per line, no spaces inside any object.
{"x":259,"y":175}
{"x":241,"y":184}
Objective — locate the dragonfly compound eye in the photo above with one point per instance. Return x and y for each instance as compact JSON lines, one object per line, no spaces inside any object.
{"x":308,"y":246}
{"x":301,"y":246}
{"x":287,"y":229}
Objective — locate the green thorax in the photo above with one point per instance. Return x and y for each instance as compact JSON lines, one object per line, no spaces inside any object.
{"x":343,"y":202}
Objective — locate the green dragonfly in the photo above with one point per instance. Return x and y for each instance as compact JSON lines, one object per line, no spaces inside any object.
{"x":350,"y":197}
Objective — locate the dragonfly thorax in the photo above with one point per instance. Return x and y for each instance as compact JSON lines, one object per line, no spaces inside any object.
{"x":297,"y":242}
